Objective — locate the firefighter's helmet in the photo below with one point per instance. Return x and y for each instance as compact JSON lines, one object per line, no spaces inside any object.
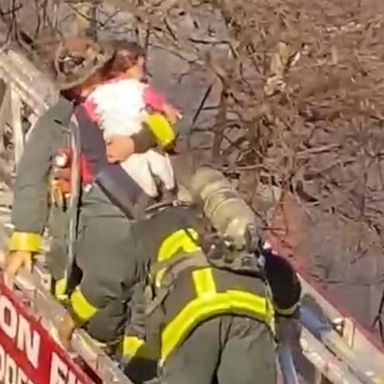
{"x":78,"y":58}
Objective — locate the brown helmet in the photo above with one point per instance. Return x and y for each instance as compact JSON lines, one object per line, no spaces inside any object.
{"x":76,"y":59}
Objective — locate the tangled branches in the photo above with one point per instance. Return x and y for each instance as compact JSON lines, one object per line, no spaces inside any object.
{"x":289,"y":92}
{"x":299,"y":92}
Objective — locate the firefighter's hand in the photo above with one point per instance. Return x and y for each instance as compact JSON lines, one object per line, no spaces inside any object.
{"x":65,"y":331}
{"x":14,"y":262}
{"x":119,"y":148}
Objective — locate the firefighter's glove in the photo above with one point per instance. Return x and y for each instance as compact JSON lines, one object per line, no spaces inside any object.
{"x":65,"y":330}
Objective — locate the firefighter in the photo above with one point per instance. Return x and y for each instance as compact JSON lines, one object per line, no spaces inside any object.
{"x":211,"y":293}
{"x":102,"y":198}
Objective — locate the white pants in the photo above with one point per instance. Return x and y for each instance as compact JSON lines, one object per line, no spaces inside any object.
{"x":144,"y":166}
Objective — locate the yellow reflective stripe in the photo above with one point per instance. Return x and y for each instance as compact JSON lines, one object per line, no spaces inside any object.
{"x":161,"y":129}
{"x":177,"y":241}
{"x":60,"y":289}
{"x":81,"y":307}
{"x":204,"y":282}
{"x":24,"y":241}
{"x":201,"y":309}
{"x":132,"y":346}
{"x":286,"y":311}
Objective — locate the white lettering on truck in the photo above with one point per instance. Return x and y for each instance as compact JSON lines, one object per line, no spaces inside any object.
{"x":17,"y":328}
{"x":10,"y":373}
{"x":60,"y":372}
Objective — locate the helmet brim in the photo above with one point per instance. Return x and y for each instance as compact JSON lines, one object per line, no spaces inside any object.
{"x":64,"y":84}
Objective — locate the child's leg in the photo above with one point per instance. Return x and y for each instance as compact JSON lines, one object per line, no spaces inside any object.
{"x":161,"y":166}
{"x":137,"y":166}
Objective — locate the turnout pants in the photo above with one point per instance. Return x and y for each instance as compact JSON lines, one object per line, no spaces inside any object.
{"x":224,"y":350}
{"x":102,"y":254}
{"x":58,"y":253}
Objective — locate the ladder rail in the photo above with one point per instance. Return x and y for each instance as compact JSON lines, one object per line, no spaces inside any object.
{"x":32,"y":284}
{"x":52,"y":312}
{"x":336,"y":371}
{"x":361,"y":355}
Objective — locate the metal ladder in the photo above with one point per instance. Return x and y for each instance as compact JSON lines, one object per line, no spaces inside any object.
{"x":344,"y":357}
{"x":345,"y":339}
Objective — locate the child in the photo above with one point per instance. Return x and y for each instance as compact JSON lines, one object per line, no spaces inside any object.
{"x":121,"y":105}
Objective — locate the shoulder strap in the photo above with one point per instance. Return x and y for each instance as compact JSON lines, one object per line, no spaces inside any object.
{"x":173,"y":268}
{"x":176,"y":265}
{"x":75,"y":193}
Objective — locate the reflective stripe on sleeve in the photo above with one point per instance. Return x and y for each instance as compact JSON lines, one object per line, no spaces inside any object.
{"x":161,"y":129}
{"x":81,"y":307}
{"x":24,"y":241}
{"x":61,"y":289}
{"x":286,"y":311}
{"x":132,"y":346}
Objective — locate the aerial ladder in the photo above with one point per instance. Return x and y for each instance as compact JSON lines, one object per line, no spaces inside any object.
{"x":331,"y":346}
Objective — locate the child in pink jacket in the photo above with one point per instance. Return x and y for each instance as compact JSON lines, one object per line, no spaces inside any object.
{"x":120,"y":106}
